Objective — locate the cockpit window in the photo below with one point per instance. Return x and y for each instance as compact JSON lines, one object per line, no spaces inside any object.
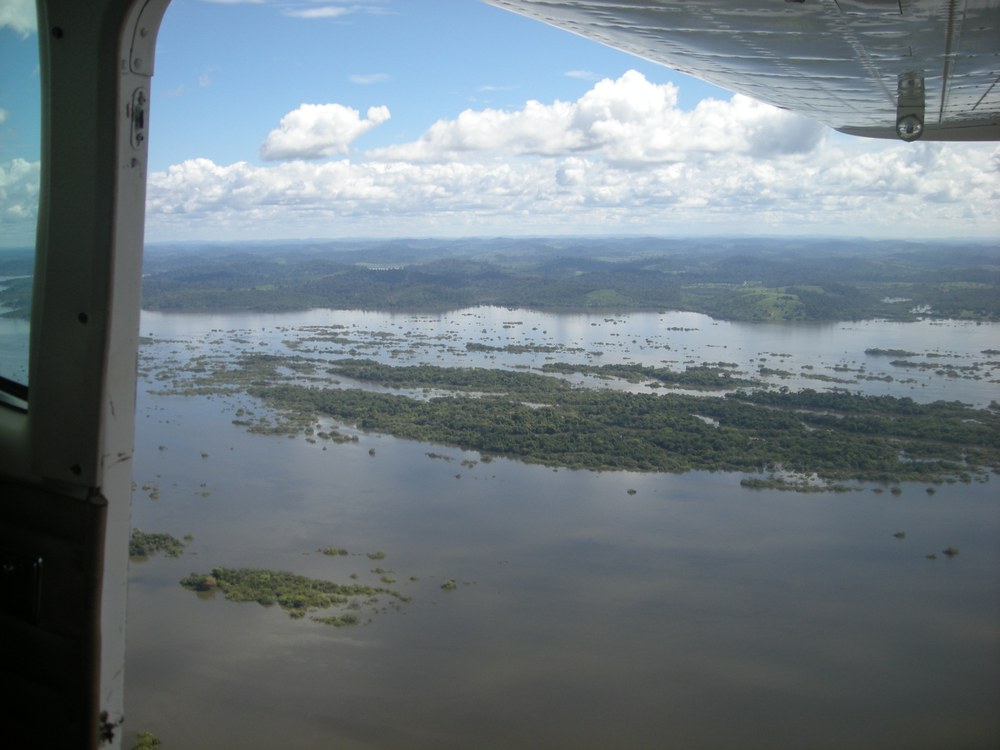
{"x":20,"y":163}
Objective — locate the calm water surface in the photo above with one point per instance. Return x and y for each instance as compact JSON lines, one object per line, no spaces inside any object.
{"x":690,"y":614}
{"x":14,"y":334}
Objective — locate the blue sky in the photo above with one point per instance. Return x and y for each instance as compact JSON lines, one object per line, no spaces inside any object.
{"x":345,"y":118}
{"x":424,"y":59}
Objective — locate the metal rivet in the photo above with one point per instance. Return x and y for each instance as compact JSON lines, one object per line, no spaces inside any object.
{"x":57,"y":32}
{"x":76,"y":469}
{"x":82,"y":317}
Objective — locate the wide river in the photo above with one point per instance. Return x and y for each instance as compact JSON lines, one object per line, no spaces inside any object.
{"x":690,"y":613}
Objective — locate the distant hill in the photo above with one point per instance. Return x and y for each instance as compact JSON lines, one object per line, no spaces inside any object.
{"x":751,"y":279}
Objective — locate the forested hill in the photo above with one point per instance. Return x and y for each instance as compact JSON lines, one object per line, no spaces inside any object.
{"x":733,"y":279}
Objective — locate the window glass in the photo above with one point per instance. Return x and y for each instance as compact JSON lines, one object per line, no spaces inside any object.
{"x":20,"y":131}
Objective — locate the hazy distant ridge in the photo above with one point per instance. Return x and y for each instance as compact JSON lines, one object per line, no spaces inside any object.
{"x":732,"y":279}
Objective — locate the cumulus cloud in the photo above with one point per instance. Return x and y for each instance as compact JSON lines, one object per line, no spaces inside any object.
{"x":629,"y":121}
{"x":18,"y":201}
{"x":19,"y":181}
{"x":316,"y":131}
{"x":622,"y":158}
{"x":914,"y":189}
{"x":18,"y":15}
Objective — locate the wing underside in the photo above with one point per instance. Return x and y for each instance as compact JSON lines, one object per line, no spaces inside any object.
{"x":877,"y":68}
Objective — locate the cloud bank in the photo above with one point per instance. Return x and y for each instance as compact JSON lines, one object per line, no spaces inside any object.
{"x":629,"y":121}
{"x":623,"y":158}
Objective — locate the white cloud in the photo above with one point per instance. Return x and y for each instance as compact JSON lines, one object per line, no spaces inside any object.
{"x":18,"y":15}
{"x":3,"y":115}
{"x":18,"y":201}
{"x":583,"y":75}
{"x":328,"y":11}
{"x":311,"y":10}
{"x":367,"y":79}
{"x":628,"y":121}
{"x":622,"y":158}
{"x":894,"y":190}
{"x":334,"y":9}
{"x":316,"y":131}
{"x":19,"y":180}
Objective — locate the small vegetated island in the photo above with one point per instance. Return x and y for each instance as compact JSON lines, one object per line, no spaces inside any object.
{"x":144,"y":544}
{"x":296,"y":594}
{"x":324,"y":601}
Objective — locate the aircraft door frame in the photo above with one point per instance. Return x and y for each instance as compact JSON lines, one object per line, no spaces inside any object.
{"x":66,"y":460}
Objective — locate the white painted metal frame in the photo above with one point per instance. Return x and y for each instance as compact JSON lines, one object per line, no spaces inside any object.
{"x":76,"y":437}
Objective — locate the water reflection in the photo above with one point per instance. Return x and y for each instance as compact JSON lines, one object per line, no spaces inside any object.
{"x":14,"y":337}
{"x":690,"y":614}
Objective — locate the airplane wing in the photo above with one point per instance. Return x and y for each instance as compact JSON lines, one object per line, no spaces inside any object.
{"x":879,"y":68}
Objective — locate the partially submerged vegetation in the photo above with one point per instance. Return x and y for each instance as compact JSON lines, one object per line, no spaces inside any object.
{"x":703,"y":377}
{"x":538,"y":417}
{"x":146,"y":741}
{"x":331,"y":382}
{"x":837,"y":435}
{"x":143,"y":544}
{"x":296,"y":594}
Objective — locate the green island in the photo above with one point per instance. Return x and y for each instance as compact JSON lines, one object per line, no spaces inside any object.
{"x":541,"y":417}
{"x":836,"y":436}
{"x":146,"y":741}
{"x":142,"y":544}
{"x":296,"y":594}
